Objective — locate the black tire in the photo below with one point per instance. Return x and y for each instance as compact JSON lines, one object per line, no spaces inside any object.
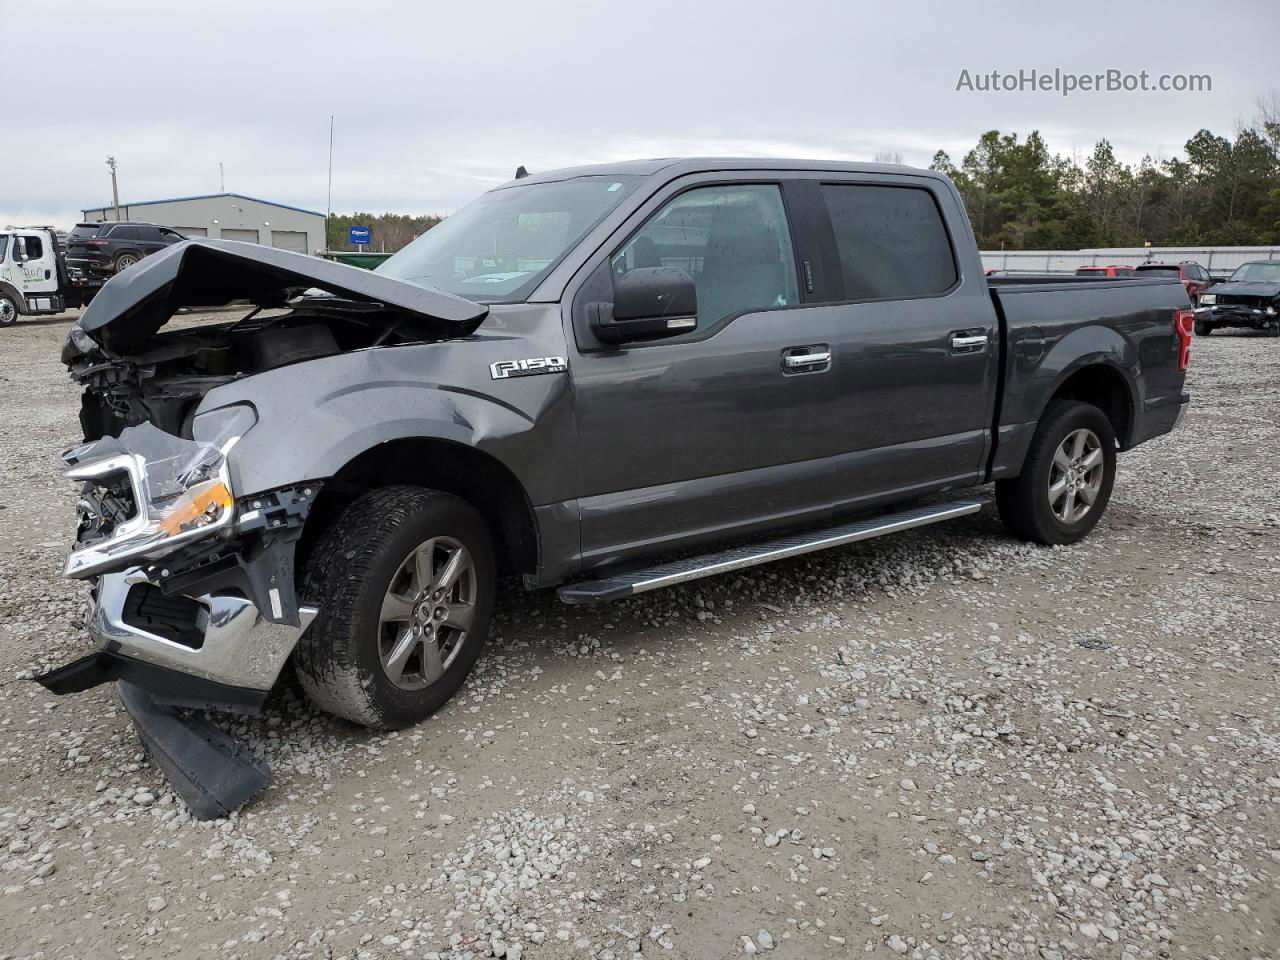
{"x":124,"y":261}
{"x":350,"y":571}
{"x":1024,"y":501}
{"x":8,"y":310}
{"x":1202,"y":329}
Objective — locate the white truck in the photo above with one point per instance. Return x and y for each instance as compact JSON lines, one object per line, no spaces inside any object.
{"x":33,"y":275}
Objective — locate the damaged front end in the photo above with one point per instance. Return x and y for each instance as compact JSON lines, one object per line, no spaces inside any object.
{"x":193,"y":605}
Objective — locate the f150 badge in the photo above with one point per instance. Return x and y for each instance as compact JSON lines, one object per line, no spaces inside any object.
{"x":527,"y":368}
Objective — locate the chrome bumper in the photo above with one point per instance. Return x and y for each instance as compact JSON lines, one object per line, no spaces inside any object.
{"x":239,"y":647}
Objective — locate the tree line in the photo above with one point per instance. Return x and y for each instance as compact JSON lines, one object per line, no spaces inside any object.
{"x":1224,"y":190}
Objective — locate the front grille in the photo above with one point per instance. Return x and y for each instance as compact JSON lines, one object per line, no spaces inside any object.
{"x":1239,"y":300}
{"x":177,"y":619}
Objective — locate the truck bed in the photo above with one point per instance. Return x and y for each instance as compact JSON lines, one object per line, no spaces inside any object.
{"x":1052,"y":325}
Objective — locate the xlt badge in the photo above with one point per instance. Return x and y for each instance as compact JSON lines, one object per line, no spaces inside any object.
{"x":527,"y":368}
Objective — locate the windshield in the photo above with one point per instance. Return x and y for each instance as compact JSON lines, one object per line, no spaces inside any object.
{"x":1167,"y":271}
{"x":83,"y":230}
{"x":500,"y":245}
{"x":1258,"y":272}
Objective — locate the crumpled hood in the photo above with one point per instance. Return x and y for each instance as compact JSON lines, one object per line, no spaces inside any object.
{"x":1242,"y":288}
{"x":133,"y":305}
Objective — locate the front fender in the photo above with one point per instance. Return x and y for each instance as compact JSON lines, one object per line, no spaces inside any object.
{"x":314,"y":417}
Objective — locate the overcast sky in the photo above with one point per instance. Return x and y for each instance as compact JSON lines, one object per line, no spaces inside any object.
{"x":435,"y":102}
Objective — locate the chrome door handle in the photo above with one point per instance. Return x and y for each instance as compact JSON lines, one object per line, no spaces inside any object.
{"x":800,"y":361}
{"x":972,"y":343}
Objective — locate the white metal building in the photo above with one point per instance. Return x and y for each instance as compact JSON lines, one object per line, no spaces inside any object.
{"x":229,"y":216}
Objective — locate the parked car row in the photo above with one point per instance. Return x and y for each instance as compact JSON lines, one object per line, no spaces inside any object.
{"x":1249,"y":297}
{"x":40,"y":273}
{"x":1195,"y":278}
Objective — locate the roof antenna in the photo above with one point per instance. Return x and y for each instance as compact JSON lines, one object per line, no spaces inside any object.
{"x":521,"y":172}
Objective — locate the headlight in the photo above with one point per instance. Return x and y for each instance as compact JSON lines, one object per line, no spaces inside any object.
{"x":1271,"y":311}
{"x":1208,"y":298}
{"x":147,"y":491}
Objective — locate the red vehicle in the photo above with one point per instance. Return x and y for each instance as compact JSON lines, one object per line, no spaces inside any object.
{"x":1115,"y":270}
{"x":1194,"y":277}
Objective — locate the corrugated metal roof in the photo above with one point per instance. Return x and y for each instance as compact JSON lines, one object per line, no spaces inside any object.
{"x":203,"y":196}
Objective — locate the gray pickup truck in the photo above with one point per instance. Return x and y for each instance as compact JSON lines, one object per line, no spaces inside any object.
{"x":605,"y":380}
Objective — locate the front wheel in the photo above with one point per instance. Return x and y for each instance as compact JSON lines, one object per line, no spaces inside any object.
{"x":1066,"y":479}
{"x":405,"y":582}
{"x":1202,"y":329}
{"x":8,"y":310}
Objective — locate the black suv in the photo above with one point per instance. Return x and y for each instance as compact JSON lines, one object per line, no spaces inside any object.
{"x":106,"y":248}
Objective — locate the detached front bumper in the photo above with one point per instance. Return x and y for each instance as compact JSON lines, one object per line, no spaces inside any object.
{"x":209,"y":651}
{"x":1238,"y":315}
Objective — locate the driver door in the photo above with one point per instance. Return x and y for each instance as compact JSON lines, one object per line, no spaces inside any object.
{"x":721,"y":431}
{"x":34,"y":258}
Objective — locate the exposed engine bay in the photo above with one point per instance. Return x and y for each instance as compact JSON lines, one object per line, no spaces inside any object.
{"x":162,"y":383}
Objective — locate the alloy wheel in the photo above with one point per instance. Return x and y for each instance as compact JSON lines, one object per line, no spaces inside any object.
{"x":1075,"y":479}
{"x":427,"y":613}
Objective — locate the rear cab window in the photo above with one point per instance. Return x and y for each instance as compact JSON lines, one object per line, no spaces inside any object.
{"x":891,"y":241}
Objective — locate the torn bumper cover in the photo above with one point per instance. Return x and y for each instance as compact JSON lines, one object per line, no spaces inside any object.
{"x":209,"y":651}
{"x":203,"y":614}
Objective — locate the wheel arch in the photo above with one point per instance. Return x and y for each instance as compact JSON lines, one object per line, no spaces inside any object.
{"x":473,"y":475}
{"x":1104,"y":385}
{"x":12,"y":292}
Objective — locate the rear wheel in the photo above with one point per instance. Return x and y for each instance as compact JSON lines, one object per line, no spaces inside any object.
{"x":1066,"y":479}
{"x":125,"y":260}
{"x":8,"y":310}
{"x":1202,"y":328}
{"x":405,"y":582}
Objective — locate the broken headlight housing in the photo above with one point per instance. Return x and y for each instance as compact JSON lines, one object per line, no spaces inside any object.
{"x":146,"y":492}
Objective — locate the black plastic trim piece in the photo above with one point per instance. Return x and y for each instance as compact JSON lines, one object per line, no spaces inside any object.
{"x":214,"y":773}
{"x":168,"y":687}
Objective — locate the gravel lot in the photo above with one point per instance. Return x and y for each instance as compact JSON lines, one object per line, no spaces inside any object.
{"x":942,"y":744}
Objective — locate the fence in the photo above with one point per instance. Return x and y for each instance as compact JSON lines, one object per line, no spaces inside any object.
{"x":1217,"y":260}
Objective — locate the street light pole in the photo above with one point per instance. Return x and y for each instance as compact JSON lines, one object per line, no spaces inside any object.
{"x":115,"y":192}
{"x":328,"y":211}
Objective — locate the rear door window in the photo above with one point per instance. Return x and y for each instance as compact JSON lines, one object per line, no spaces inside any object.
{"x":891,"y":241}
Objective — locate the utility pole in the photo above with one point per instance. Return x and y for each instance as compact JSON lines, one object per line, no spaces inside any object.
{"x":115,"y":192}
{"x":328,"y":210}
{"x":222,"y":179}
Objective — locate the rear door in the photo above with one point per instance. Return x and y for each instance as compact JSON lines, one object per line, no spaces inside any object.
{"x":726,"y":429}
{"x":914,"y":342}
{"x":149,"y":239}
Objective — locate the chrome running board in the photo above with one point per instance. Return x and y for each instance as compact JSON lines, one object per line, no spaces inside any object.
{"x":629,"y":583}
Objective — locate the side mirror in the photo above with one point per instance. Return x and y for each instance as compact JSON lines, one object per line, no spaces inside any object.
{"x":20,"y":249}
{"x":649,"y":303}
